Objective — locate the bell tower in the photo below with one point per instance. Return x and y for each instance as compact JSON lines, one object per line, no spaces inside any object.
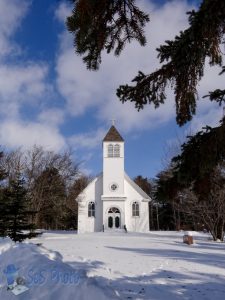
{"x":113,"y":164}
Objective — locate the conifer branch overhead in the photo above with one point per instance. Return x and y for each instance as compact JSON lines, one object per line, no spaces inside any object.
{"x":100,"y":25}
{"x":184,"y":59}
{"x":217,"y":95}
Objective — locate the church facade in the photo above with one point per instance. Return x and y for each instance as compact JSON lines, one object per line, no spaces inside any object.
{"x":113,"y":201}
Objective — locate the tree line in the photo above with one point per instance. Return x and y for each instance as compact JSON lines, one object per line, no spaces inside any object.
{"x":189,"y":193}
{"x":194,"y":182}
{"x":38,"y":189}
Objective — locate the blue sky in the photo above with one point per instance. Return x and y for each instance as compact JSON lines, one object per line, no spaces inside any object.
{"x":48,"y":97}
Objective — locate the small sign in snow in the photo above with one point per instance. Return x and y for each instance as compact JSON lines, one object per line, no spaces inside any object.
{"x":19,"y":289}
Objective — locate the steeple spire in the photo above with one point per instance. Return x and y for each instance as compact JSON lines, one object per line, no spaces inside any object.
{"x":113,"y":122}
{"x":113,"y":135}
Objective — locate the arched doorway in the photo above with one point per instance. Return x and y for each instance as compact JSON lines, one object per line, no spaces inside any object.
{"x":114,"y":218}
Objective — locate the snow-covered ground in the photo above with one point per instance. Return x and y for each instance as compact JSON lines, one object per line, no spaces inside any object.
{"x":96,"y":266}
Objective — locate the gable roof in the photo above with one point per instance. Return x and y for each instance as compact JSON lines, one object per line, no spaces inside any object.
{"x":93,"y":181}
{"x":137,"y":188}
{"x":113,"y":135}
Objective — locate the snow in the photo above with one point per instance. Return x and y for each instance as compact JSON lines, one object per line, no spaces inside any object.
{"x":116,"y":265}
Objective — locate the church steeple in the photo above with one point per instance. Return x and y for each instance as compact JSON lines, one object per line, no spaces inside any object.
{"x":113,"y":135}
{"x":113,"y":163}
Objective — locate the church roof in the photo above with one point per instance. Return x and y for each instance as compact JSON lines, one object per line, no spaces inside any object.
{"x":113,"y":135}
{"x":137,"y":188}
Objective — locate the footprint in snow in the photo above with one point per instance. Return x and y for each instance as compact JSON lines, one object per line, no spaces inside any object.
{"x":82,"y":258}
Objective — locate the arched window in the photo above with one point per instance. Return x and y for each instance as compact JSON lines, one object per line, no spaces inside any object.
{"x":117,"y":150}
{"x":135,"y":209}
{"x":110,"y":150}
{"x":91,"y":209}
{"x":114,"y":210}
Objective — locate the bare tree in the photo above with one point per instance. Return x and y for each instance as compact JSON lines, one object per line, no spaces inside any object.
{"x":49,"y":178}
{"x":210,"y":210}
{"x":13,"y":162}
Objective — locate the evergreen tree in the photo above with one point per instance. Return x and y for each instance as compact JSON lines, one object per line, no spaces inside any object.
{"x":148,"y":186}
{"x":3,"y":176}
{"x":104,"y":25}
{"x":17,"y":213}
{"x":183,"y":62}
{"x":199,"y":157}
{"x":3,"y":229}
{"x":70,"y":219}
{"x":193,"y":185}
{"x":52,"y":199}
{"x":169,"y":214}
{"x":144,"y":184}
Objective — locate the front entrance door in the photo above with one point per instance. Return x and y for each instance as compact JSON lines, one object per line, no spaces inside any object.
{"x":113,"y":218}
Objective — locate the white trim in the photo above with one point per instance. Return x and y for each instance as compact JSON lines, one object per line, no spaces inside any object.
{"x":137,"y":188}
{"x":113,"y":198}
{"x":91,"y":182}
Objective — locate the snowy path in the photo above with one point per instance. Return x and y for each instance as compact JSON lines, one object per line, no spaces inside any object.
{"x":146,"y":266}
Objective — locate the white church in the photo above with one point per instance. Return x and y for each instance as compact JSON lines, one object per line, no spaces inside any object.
{"x":113,"y":201}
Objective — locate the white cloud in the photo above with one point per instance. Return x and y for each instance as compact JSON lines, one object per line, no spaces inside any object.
{"x":11,"y":14}
{"x":24,"y":84}
{"x":17,"y":133}
{"x":85,"y":89}
{"x":210,"y":118}
{"x":80,"y":88}
{"x":87,"y":140}
{"x":129,"y":119}
{"x":20,"y":85}
{"x":63,"y":11}
{"x":52,"y":116}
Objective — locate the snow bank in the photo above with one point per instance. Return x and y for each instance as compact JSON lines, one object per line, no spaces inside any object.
{"x":5,"y":244}
{"x":116,"y":265}
{"x":46,"y":276}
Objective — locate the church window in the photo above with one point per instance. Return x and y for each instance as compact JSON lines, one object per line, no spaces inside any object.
{"x":135,"y":209}
{"x":91,"y":209}
{"x":113,"y":187}
{"x":110,"y":150}
{"x":113,"y":150}
{"x":116,"y":150}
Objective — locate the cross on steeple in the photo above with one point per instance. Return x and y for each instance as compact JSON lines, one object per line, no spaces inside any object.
{"x":113,"y":121}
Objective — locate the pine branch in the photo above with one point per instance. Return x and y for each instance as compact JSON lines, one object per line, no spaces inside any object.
{"x":217,"y":95}
{"x":100,"y":25}
{"x":184,"y":59}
